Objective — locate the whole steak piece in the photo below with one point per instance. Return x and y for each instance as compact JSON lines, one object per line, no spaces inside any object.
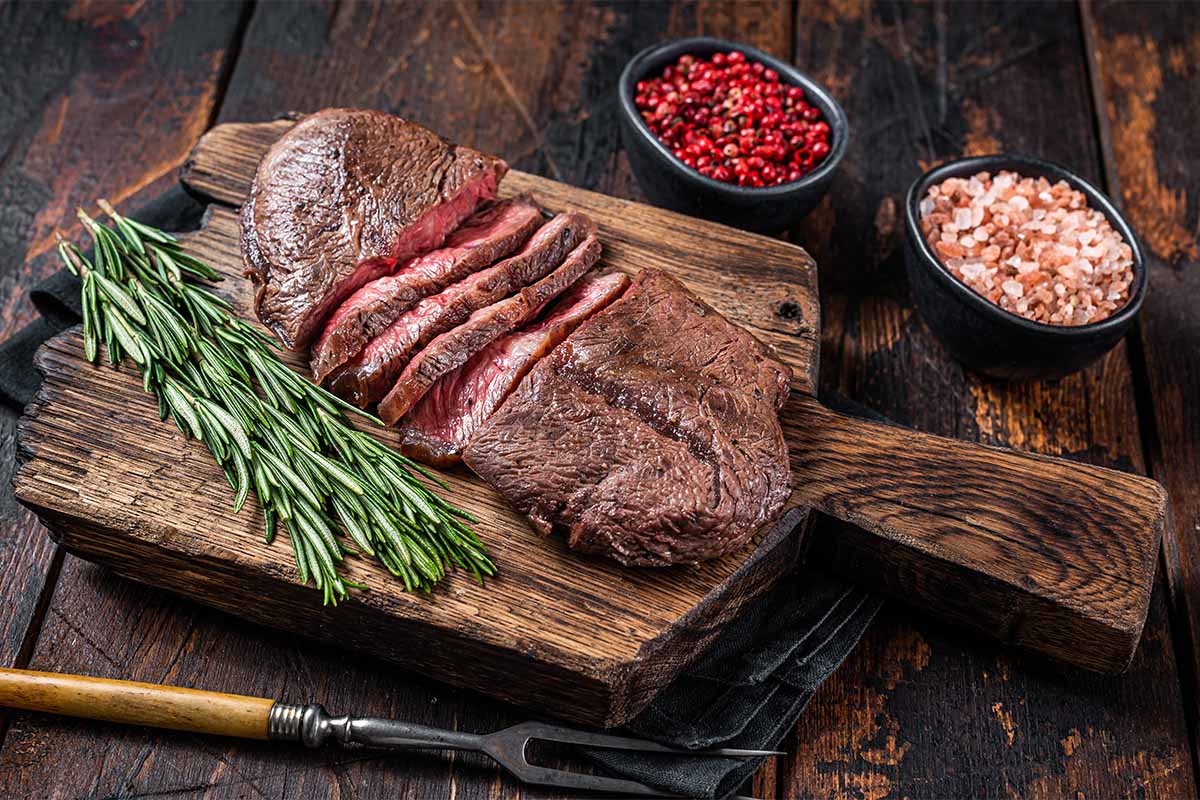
{"x":489,"y":235}
{"x":441,"y":424}
{"x":650,"y":435}
{"x":343,"y":198}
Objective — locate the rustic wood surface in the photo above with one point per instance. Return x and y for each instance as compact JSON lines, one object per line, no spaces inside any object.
{"x":82,"y":84}
{"x":603,"y":637}
{"x":918,"y":710}
{"x":1145,"y":84}
{"x":930,"y":545}
{"x":1039,"y":573}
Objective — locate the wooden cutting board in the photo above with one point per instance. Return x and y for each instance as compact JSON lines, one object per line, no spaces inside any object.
{"x":1045,"y":553}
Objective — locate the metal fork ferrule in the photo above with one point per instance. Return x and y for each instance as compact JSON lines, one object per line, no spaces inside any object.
{"x":284,"y":721}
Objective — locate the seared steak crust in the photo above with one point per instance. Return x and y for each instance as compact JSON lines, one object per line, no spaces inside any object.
{"x":342,"y":198}
{"x":650,"y":435}
{"x":452,"y":349}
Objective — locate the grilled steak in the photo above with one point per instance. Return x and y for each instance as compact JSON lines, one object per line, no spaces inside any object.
{"x":340,"y":200}
{"x":441,"y":424}
{"x":369,"y":376}
{"x":452,"y":349}
{"x":650,"y":435}
{"x":491,"y":234}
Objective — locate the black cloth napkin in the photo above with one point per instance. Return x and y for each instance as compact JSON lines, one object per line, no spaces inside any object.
{"x":746,"y":692}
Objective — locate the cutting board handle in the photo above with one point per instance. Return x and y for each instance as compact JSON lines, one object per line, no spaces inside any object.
{"x":1041,"y":552}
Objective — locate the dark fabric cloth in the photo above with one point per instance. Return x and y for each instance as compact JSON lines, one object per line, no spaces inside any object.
{"x":746,"y":692}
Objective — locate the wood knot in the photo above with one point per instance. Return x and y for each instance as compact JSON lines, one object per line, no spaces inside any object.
{"x":790,"y":311}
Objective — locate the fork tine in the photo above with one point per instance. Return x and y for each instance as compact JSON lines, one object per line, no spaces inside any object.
{"x":556,"y":733}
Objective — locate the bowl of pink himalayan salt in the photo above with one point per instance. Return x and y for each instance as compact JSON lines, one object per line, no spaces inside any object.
{"x":1021,"y":268}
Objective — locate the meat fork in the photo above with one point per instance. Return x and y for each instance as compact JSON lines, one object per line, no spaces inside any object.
{"x":221,"y":714}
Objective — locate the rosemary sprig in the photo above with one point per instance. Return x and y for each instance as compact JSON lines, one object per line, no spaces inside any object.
{"x":326,"y":483}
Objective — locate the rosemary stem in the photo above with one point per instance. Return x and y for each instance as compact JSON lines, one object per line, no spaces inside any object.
{"x":333,"y":488}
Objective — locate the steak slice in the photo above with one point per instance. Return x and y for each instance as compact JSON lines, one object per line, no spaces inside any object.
{"x":369,"y":376}
{"x":486,"y":237}
{"x":340,"y":200}
{"x":452,"y":349}
{"x":441,"y":424}
{"x":651,"y":434}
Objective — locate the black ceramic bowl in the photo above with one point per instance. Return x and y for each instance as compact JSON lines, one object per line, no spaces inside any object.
{"x":669,"y":183}
{"x":984,"y":336}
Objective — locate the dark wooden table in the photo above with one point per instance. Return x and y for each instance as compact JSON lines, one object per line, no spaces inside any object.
{"x":105,"y":100}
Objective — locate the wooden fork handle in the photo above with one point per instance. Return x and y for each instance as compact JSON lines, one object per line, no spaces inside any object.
{"x":1050,"y":554}
{"x":172,"y":707}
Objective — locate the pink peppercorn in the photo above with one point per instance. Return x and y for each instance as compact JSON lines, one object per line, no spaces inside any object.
{"x":733,"y":120}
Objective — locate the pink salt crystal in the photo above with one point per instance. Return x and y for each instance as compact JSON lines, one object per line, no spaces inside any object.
{"x":971,"y":272}
{"x":1032,"y":247}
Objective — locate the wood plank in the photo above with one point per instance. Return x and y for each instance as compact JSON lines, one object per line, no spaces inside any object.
{"x":105,"y":760}
{"x":1144,"y":68}
{"x":920,"y":710}
{"x":80,"y":83}
{"x":534,"y":83}
{"x":89,"y":83}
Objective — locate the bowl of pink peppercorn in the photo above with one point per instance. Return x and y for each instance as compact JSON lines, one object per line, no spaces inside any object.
{"x":1023,"y":269}
{"x":726,"y":132}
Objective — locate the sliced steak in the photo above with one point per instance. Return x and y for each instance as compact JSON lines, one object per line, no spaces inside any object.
{"x":340,"y":200}
{"x":489,"y":235}
{"x":452,"y":349}
{"x":651,"y":434}
{"x":441,"y":424}
{"x":369,"y":376}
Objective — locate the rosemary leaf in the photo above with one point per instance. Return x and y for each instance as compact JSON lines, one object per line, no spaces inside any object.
{"x":271,"y":431}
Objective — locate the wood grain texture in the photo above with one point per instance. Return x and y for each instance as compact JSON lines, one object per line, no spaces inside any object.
{"x":605,"y":638}
{"x":1145,"y":77}
{"x":1054,"y":556}
{"x":161,"y":638}
{"x":86,"y":86}
{"x":135,"y":703}
{"x":82,"y":84}
{"x":919,"y":710}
